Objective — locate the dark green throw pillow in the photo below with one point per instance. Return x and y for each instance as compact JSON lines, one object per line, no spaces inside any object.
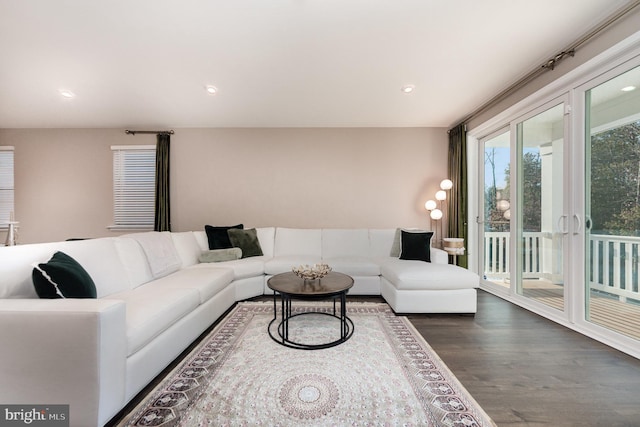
{"x":218,"y":237}
{"x":62,"y":277}
{"x":416,"y":246}
{"x":247,"y":240}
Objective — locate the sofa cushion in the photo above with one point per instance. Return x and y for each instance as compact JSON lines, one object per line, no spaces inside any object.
{"x":207,"y":280}
{"x":187,"y":247}
{"x":380,"y":242}
{"x":160,"y":251}
{"x":345,"y":242}
{"x":103,"y":263}
{"x":16,"y":268}
{"x":353,"y":265}
{"x":247,"y":240}
{"x":284,"y":264}
{"x":134,"y":261}
{"x":419,"y":275}
{"x":201,"y":238}
{"x":151,"y":311}
{"x":242,"y":268}
{"x":266,"y":236}
{"x":416,"y":245}
{"x":62,"y":277}
{"x":220,"y":255}
{"x":217,"y":235}
{"x":298,"y":242}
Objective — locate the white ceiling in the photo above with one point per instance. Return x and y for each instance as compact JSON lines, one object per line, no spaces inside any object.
{"x":276,"y":63}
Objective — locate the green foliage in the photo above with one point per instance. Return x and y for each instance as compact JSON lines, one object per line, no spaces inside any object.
{"x":615,"y":181}
{"x":531,"y":195}
{"x":531,"y":190}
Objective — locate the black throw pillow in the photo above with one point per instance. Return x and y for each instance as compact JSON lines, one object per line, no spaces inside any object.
{"x":218,"y":237}
{"x":416,"y":245}
{"x":62,"y":277}
{"x":247,"y":240}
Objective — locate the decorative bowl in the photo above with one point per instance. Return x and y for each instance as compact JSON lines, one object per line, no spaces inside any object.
{"x":308,"y":272}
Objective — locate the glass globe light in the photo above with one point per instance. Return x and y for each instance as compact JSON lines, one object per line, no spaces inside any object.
{"x":503,"y":205}
{"x":436,"y":214}
{"x":507,"y":214}
{"x":441,"y":195}
{"x":430,"y":205}
{"x":446,"y":184}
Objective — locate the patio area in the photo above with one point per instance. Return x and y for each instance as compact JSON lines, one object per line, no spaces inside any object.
{"x":605,"y":309}
{"x":614,"y":273}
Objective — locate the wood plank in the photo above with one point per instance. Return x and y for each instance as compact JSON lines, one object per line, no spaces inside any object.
{"x":605,"y":310}
{"x":525,"y":370}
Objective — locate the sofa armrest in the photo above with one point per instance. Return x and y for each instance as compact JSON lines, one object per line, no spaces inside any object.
{"x":438,"y":256}
{"x":64,"y":351}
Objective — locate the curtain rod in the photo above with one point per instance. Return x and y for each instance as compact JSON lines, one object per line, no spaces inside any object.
{"x":551,"y":63}
{"x":133,"y":132}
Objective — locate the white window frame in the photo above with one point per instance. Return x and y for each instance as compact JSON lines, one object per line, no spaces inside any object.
{"x":7,"y":185}
{"x":133,"y":187}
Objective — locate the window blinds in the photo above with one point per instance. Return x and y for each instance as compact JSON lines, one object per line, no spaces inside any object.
{"x":134,"y":169}
{"x":6,"y":185}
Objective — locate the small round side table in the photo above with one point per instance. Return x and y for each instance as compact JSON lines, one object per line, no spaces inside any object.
{"x":454,"y":252}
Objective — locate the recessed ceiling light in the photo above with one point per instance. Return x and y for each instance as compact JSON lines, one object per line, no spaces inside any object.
{"x":628,"y":88}
{"x":67,"y":93}
{"x":212,"y":90}
{"x":407,"y":88}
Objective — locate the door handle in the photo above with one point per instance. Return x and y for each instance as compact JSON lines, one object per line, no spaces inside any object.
{"x":578,"y":223}
{"x":562,"y":224}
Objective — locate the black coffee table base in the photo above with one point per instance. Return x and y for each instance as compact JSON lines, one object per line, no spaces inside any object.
{"x":346,"y":325}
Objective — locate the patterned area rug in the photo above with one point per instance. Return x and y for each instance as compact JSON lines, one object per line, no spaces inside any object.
{"x":384,"y":375}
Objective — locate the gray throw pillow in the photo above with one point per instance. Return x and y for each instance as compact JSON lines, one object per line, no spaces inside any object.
{"x":247,"y":240}
{"x":395,"y":247}
{"x":219,"y":255}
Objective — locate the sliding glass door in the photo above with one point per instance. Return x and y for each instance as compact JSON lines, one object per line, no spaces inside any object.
{"x":612,"y":207}
{"x":523,"y":222}
{"x":541,"y":222}
{"x":558,"y":212}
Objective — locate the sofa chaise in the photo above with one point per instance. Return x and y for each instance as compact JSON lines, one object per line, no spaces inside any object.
{"x":154,"y":298}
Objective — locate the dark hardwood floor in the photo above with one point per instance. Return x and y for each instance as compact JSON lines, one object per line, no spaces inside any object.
{"x":525,"y":370}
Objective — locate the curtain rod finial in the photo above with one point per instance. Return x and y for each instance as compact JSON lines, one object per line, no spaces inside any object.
{"x":164,"y":132}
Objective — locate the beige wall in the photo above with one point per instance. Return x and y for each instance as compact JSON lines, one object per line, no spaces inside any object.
{"x":365,"y":177}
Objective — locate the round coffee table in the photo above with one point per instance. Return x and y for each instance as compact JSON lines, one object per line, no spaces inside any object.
{"x":289,"y":286}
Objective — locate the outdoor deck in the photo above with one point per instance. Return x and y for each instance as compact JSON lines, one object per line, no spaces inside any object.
{"x":606,"y":310}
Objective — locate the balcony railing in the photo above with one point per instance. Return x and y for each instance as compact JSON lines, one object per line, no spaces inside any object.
{"x":614,"y":265}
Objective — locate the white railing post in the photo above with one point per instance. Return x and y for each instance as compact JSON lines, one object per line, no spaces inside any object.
{"x":614,"y":264}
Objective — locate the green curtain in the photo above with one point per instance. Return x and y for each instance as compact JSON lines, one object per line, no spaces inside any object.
{"x":457,"y":207}
{"x":162,"y":221}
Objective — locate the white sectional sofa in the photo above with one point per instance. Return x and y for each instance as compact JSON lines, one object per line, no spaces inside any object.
{"x":154,"y":298}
